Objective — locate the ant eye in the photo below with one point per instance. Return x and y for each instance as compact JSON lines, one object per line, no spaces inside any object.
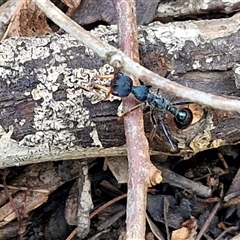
{"x":184,"y":118}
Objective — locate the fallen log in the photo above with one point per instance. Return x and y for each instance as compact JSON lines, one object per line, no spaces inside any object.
{"x":49,"y":114}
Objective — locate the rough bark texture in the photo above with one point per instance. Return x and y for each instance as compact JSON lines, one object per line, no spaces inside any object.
{"x":183,"y":7}
{"x":45,"y":116}
{"x":88,"y":13}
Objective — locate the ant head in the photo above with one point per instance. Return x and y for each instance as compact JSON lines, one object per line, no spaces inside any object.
{"x":184,"y":118}
{"x":121,"y":85}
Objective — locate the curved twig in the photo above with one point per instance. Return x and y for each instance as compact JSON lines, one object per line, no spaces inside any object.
{"x":118,"y":59}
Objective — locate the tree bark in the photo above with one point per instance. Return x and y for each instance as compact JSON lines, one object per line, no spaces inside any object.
{"x":46,"y":114}
{"x":193,"y":8}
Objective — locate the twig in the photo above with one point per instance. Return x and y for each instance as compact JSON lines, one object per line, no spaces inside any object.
{"x":165,"y":214}
{"x":117,"y":59}
{"x":208,"y":221}
{"x":111,"y":219}
{"x":73,"y":233}
{"x":227,"y":230}
{"x":25,"y":189}
{"x":207,"y":236}
{"x":220,"y":156}
{"x":19,"y":210}
{"x":16,"y":13}
{"x":177,"y":180}
{"x":140,"y":168}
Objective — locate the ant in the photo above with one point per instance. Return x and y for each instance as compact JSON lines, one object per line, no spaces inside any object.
{"x":122,"y":86}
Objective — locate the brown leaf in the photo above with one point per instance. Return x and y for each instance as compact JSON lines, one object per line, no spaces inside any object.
{"x":72,"y":3}
{"x":28,"y":20}
{"x":180,"y":234}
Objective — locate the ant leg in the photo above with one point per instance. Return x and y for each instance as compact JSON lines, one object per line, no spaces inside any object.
{"x":165,"y":131}
{"x":105,"y":89}
{"x":87,"y":89}
{"x":181,"y":103}
{"x":105,"y":76}
{"x":167,"y":134}
{"x":129,"y":111}
{"x":154,"y":130}
{"x":154,"y":123}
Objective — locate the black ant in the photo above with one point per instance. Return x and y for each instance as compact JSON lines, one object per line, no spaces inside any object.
{"x":122,"y":86}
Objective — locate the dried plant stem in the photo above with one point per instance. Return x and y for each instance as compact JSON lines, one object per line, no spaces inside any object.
{"x":208,"y":221}
{"x":119,"y":59}
{"x":140,"y":168}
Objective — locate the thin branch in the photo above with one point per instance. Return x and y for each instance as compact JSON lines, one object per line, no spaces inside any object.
{"x":118,"y":59}
{"x":97,"y":211}
{"x":208,"y":221}
{"x":140,"y":167}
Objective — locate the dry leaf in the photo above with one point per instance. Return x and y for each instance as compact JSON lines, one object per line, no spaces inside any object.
{"x":29,"y":21}
{"x":72,"y":3}
{"x":180,"y":234}
{"x":119,"y":168}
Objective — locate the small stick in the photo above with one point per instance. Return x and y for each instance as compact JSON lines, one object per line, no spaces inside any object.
{"x":165,"y":214}
{"x":220,"y":156}
{"x":208,"y":221}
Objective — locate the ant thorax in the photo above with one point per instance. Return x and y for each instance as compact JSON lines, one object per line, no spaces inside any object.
{"x":140,"y":92}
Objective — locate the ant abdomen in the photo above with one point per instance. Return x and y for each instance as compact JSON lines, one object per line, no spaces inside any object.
{"x":183,"y":118}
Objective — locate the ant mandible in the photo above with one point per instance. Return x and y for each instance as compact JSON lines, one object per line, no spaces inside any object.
{"x":122,"y":86}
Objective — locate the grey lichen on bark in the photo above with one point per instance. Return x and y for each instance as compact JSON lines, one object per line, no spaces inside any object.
{"x":43,"y":81}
